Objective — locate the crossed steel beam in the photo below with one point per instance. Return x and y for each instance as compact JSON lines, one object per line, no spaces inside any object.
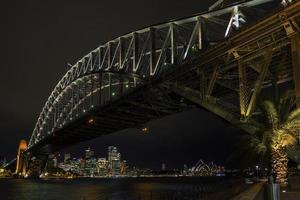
{"x":178,"y":51}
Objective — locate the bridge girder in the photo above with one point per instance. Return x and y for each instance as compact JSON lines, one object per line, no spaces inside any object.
{"x":131,"y":74}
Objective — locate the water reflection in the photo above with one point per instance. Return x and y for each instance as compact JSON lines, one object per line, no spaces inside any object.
{"x":118,"y":189}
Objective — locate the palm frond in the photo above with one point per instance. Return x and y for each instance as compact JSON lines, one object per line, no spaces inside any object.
{"x":287,"y":102}
{"x":293,"y":126}
{"x":283,"y":137}
{"x":271,"y":113}
{"x":288,"y":140}
{"x":261,"y":148}
{"x":295,"y":114}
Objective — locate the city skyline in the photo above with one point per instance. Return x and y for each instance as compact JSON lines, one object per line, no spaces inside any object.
{"x":112,"y":164}
{"x":43,"y":57}
{"x":149,"y":100}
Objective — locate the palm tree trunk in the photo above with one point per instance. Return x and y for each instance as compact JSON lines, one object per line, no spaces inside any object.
{"x":280,"y":164}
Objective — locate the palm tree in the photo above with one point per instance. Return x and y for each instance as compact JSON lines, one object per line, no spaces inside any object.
{"x":276,"y":131}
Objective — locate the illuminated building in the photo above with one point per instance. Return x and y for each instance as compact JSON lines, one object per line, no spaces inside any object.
{"x":124,"y":167}
{"x":163,"y":167}
{"x":67,"y":157}
{"x":51,"y":162}
{"x":102,"y":166}
{"x":90,"y":168}
{"x":89,"y":153}
{"x":114,"y":160}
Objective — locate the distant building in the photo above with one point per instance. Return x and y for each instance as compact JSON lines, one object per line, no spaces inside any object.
{"x":102,"y":167}
{"x":2,"y":160}
{"x":124,"y":167}
{"x":89,"y":153}
{"x":72,"y":165}
{"x":185,"y":170}
{"x":55,"y":163}
{"x":67,"y":157}
{"x":90,"y":168}
{"x":163,"y":167}
{"x":114,"y":161}
{"x":82,"y":162}
{"x":51,"y":162}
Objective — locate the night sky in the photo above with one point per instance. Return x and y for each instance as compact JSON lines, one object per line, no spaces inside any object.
{"x":38,"y":39}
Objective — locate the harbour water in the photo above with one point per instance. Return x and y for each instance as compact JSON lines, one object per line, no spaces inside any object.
{"x":119,"y":189}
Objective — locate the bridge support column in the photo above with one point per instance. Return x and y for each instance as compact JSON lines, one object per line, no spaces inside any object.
{"x":258,"y":84}
{"x":243,"y":92}
{"x":21,"y":159}
{"x":212,"y":82}
{"x":295,"y":45}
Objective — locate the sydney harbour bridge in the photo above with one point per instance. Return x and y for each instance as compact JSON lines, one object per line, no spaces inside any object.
{"x":221,"y":60}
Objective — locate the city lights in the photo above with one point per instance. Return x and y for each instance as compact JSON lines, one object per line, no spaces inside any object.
{"x":149,"y":93}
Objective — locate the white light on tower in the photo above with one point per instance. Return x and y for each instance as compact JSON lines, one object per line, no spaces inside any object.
{"x":286,"y":2}
{"x":235,"y":21}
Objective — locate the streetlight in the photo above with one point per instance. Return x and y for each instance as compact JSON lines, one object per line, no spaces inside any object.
{"x":256,"y":167}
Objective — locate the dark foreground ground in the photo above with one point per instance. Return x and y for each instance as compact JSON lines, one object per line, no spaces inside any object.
{"x":292,"y":192}
{"x":121,"y":189}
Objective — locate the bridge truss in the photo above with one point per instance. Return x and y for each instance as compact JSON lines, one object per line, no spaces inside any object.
{"x":163,"y":69}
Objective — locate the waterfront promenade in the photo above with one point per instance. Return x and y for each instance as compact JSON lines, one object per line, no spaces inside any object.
{"x":259,"y":191}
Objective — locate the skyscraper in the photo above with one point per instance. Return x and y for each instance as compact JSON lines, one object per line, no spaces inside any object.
{"x":114,"y":160}
{"x":67,"y":157}
{"x":89,"y":153}
{"x":163,"y":167}
{"x":124,"y":167}
{"x":101,"y":166}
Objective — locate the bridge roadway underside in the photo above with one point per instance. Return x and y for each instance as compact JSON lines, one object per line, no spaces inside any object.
{"x":226,"y":79}
{"x":133,"y":110}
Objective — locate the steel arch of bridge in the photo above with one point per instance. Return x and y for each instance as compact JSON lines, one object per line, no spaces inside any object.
{"x":130,"y":61}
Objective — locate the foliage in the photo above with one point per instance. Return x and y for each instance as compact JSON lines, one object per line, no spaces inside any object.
{"x":277,"y":129}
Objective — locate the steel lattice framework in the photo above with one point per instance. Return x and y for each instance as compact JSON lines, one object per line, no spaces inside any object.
{"x":143,"y":75}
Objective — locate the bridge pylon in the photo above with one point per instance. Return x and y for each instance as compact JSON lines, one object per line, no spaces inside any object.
{"x":21,"y":160}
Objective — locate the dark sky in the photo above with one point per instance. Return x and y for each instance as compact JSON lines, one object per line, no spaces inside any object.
{"x":38,"y":39}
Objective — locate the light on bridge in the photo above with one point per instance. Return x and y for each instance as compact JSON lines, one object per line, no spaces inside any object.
{"x":286,"y":2}
{"x":145,"y":130}
{"x":91,"y":121}
{"x":235,"y":21}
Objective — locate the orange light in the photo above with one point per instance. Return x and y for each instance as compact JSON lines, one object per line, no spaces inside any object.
{"x":145,"y":130}
{"x":91,"y":121}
